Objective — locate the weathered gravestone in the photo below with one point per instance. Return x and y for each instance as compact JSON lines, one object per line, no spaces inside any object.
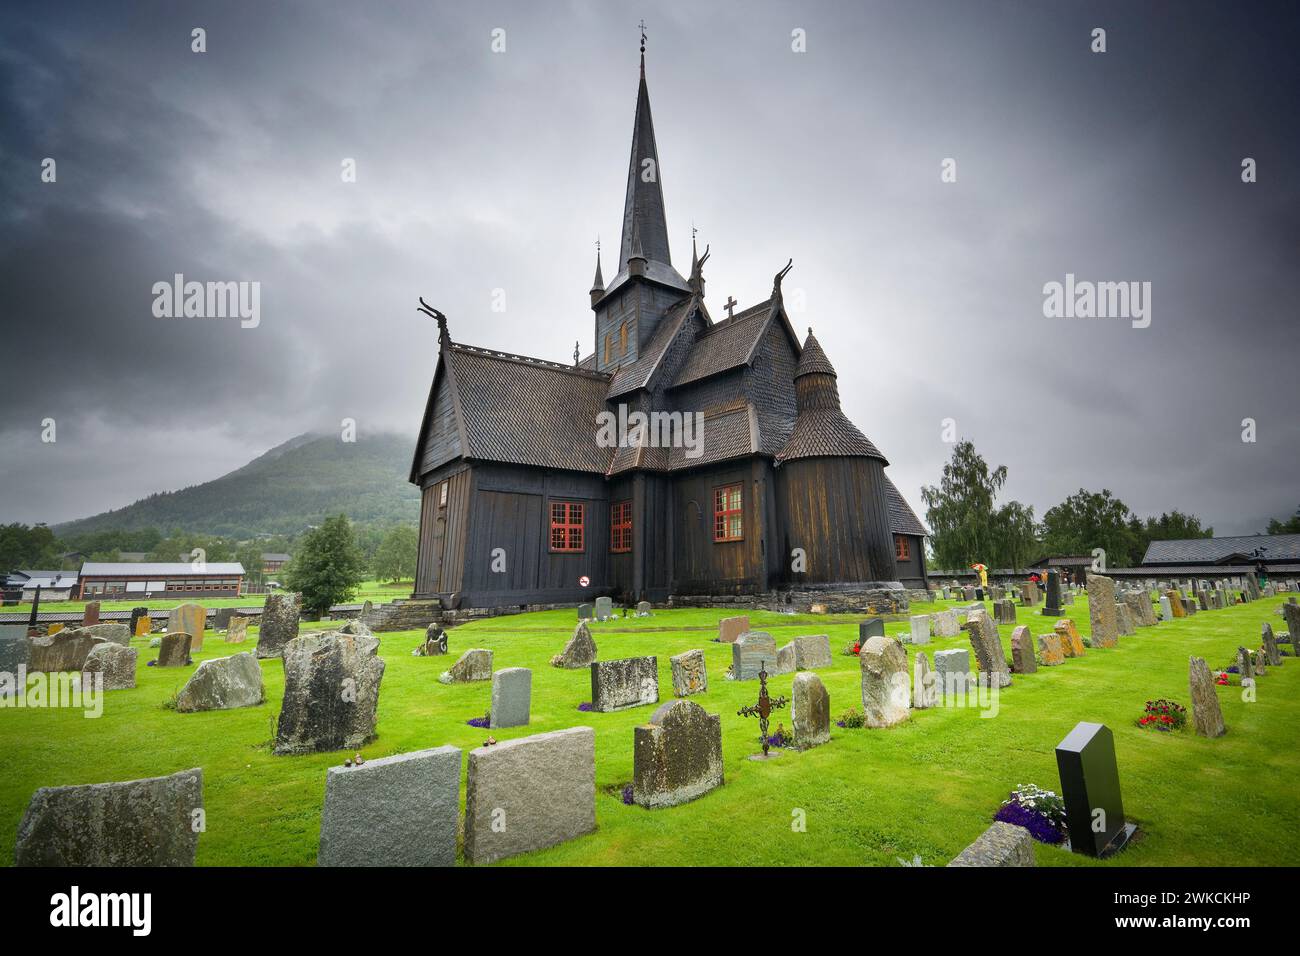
{"x":1291,"y":614}
{"x":1166,"y":608}
{"x":643,"y":609}
{"x":140,"y":623}
{"x":1271,"y":648}
{"x":1094,"y":810}
{"x":64,"y":651}
{"x":952,"y":671}
{"x":279,"y":623}
{"x":810,"y":711}
{"x":1071,"y":642}
{"x":585,"y":612}
{"x":174,"y":649}
{"x":1002,"y":844}
{"x":115,"y":662}
{"x":392,"y":811}
{"x":946,"y":623}
{"x":750,"y":652}
{"x":812,"y":651}
{"x":1140,"y":608}
{"x":689,"y":674}
{"x":987,"y":646}
{"x":677,"y":756}
{"x":331,"y":693}
{"x":730,"y":628}
{"x":604,"y":608}
{"x":117,"y":633}
{"x":90,"y":616}
{"x":1049,"y":650}
{"x":621,"y":684}
{"x":885,"y":695}
{"x":146,"y":822}
{"x":1175,"y":603}
{"x":1052,"y":607}
{"x":14,"y":648}
{"x":785,"y":660}
{"x":542,"y":788}
{"x":1207,"y":715}
{"x":512,"y":696}
{"x":579,"y":651}
{"x":1004,"y":612}
{"x":925,"y":693}
{"x":1101,"y":611}
{"x":189,"y":619}
{"x":871,"y":627}
{"x":221,"y":618}
{"x":237,"y":630}
{"x":223,"y":683}
{"x":1022,"y":651}
{"x":1245,"y":665}
{"x":920,"y":624}
{"x":474,"y":664}
{"x":1123,"y":622}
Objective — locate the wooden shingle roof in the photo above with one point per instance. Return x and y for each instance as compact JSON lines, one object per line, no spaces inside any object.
{"x":629,"y":378}
{"x":727,"y":345}
{"x":902,"y":519}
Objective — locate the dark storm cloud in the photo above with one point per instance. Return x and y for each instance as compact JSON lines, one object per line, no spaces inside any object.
{"x":479,"y":172}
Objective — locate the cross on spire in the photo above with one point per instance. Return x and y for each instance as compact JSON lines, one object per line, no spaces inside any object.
{"x":729,"y":305}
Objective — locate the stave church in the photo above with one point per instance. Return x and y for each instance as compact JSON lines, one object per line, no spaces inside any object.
{"x":685,"y":458}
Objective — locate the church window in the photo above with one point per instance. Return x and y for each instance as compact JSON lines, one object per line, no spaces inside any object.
{"x":902,"y":548}
{"x":609,"y":345}
{"x":566,"y":526}
{"x":622,"y":339}
{"x":728,"y":522}
{"x":620,"y":527}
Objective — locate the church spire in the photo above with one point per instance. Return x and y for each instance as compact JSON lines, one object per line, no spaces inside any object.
{"x":598,"y":283}
{"x":643,"y":207}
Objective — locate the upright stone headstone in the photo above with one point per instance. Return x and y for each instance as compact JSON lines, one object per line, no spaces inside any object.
{"x":730,"y":628}
{"x":1175,"y":603}
{"x":64,"y":651}
{"x":546,"y":783}
{"x":1071,"y":642}
{"x":580,"y":650}
{"x":920,"y":624}
{"x":604,"y":608}
{"x":315,"y":715}
{"x":512,"y":697}
{"x":946,"y":623}
{"x":1002,"y":844}
{"x":677,"y":756}
{"x":1245,"y":665}
{"x":586,"y":612}
{"x":1094,"y":810}
{"x":1166,"y":608}
{"x":1141,"y":611}
{"x":279,"y":623}
{"x":925,"y":693}
{"x":115,"y":662}
{"x":139,"y":614}
{"x":689,"y":674}
{"x":885,"y":695}
{"x":1291,"y":614}
{"x":1271,"y":649}
{"x":1101,"y":611}
{"x":1052,"y":607}
{"x":90,"y":615}
{"x":237,"y":630}
{"x":223,"y":683}
{"x":14,"y":648}
{"x":810,"y":711}
{"x":750,"y":653}
{"x":221,"y":618}
{"x":621,"y":684}
{"x":785,"y":660}
{"x":871,"y":627}
{"x":146,"y":822}
{"x":392,"y":811}
{"x":952,"y":671}
{"x":475,"y":664}
{"x":1049,"y":650}
{"x":812,"y":651}
{"x":1123,"y":622}
{"x":117,"y":633}
{"x":174,"y":649}
{"x":189,"y":619}
{"x":1022,"y":651}
{"x":988,"y":649}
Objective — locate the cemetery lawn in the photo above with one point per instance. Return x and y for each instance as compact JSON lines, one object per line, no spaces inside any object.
{"x":925,"y":789}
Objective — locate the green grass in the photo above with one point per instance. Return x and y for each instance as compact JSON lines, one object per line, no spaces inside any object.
{"x":378,"y":591}
{"x":927,"y":787}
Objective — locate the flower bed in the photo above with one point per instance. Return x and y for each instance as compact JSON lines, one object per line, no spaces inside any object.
{"x":1164,"y":715}
{"x":1041,"y":812}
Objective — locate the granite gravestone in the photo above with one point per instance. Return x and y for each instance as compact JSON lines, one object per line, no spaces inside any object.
{"x":223,"y":683}
{"x":1049,"y":650}
{"x":174,"y":649}
{"x":585,"y":612}
{"x":189,"y":619}
{"x":1207,"y":715}
{"x":279,"y":623}
{"x":316,"y":714}
{"x":1101,"y":611}
{"x":730,"y":628}
{"x":474,"y":665}
{"x":512,"y":695}
{"x":871,"y":627}
{"x":1094,"y":809}
{"x":114,"y":662}
{"x":812,"y":651}
{"x":580,"y":650}
{"x":622,"y":684}
{"x":810,"y":711}
{"x":1022,"y":651}
{"x":885,"y":696}
{"x":689,"y":674}
{"x":1053,"y":606}
{"x":677,"y":756}
{"x":604,"y":608}
{"x":952,"y":671}
{"x":925,"y":693}
{"x":920,"y":624}
{"x":750,"y":652}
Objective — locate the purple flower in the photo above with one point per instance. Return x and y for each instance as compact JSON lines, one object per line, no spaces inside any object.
{"x":1039,"y":827}
{"x":585,"y":706}
{"x":484,"y":721}
{"x":627,"y":795}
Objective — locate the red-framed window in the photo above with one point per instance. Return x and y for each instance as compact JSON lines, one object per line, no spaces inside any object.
{"x":902,"y":548}
{"x":620,"y":527}
{"x":566,"y":526}
{"x":728,"y":521}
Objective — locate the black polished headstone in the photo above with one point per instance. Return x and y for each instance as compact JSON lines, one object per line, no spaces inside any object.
{"x":871,"y":627}
{"x":1094,"y":811}
{"x":1053,"y":608}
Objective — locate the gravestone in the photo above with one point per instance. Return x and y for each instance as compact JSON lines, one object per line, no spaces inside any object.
{"x":221,"y":618}
{"x":1004,"y":612}
{"x":987,"y":646}
{"x":64,"y":651}
{"x":316,"y":715}
{"x":1022,"y":651}
{"x":1291,"y":614}
{"x":1271,"y":649}
{"x":1071,"y":642}
{"x":689,"y":674}
{"x":1002,"y":844}
{"x":1175,"y":603}
{"x":885,"y":696}
{"x":585,"y":612}
{"x":946,"y":623}
{"x":530,"y":793}
{"x":139,"y":614}
{"x":1026,"y":594}
{"x":624,"y":683}
{"x":871,"y":627}
{"x":952,"y":671}
{"x":90,"y":615}
{"x":392,"y":811}
{"x":1245,"y":665}
{"x":785,"y":660}
{"x":677,"y":756}
{"x":435,"y":642}
{"x":1101,"y":611}
{"x":810,"y":711}
{"x":475,"y":664}
{"x":223,"y":683}
{"x":1166,"y":608}
{"x":604,"y":608}
{"x":1052,"y":608}
{"x":643,"y":609}
{"x":1049,"y":650}
{"x":580,"y":650}
{"x":920,"y":624}
{"x":512,"y":695}
{"x":115,"y":662}
{"x":237,"y":630}
{"x":117,"y":633}
{"x":1141,"y":610}
{"x":174,"y":649}
{"x":189,"y":619}
{"x":146,"y":822}
{"x":812,"y":651}
{"x":750,"y":652}
{"x":1202,"y":597}
{"x":1123,"y":622}
{"x":730,"y":628}
{"x":14,"y":648}
{"x":924,"y":692}
{"x":279,"y":623}
{"x":1094,"y":810}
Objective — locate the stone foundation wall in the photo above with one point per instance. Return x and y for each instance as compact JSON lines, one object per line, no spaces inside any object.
{"x":867,"y":600}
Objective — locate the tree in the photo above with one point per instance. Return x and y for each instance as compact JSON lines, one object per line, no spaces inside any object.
{"x":965,"y":526}
{"x":1088,"y":520}
{"x":1015,"y":536}
{"x":27,"y":548}
{"x":1174,"y":526}
{"x":328,"y":567}
{"x":395,"y":557}
{"x":1290,"y":525}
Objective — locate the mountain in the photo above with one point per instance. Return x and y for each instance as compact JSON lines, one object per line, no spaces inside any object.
{"x":293,"y":485}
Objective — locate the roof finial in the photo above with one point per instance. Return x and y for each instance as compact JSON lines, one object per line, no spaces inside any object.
{"x":776,"y":280}
{"x":642,"y":25}
{"x":575,"y":353}
{"x":427,"y":309}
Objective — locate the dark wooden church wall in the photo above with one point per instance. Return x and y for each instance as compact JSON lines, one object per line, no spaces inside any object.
{"x":442,"y":441}
{"x":701,"y":565}
{"x":441,"y":556}
{"x":837,"y":511}
{"x":912,"y":569}
{"x":769,"y":385}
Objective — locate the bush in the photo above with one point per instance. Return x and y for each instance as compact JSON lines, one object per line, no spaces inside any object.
{"x":852,"y":718}
{"x":1041,"y":812}
{"x":1165,"y":715}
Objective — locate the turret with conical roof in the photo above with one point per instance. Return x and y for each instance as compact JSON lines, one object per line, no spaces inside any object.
{"x":821,"y":429}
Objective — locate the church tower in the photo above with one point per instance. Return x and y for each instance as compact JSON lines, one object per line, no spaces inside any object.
{"x":646,"y":286}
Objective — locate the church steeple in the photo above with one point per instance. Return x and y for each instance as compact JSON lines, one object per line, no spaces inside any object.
{"x":643,"y":206}
{"x":598,"y":283}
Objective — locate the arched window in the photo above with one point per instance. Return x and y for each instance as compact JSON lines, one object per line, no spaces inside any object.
{"x":622,"y":339}
{"x":609,"y":345}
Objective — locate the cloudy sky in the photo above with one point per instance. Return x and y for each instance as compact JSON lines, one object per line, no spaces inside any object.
{"x":479,"y":170}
